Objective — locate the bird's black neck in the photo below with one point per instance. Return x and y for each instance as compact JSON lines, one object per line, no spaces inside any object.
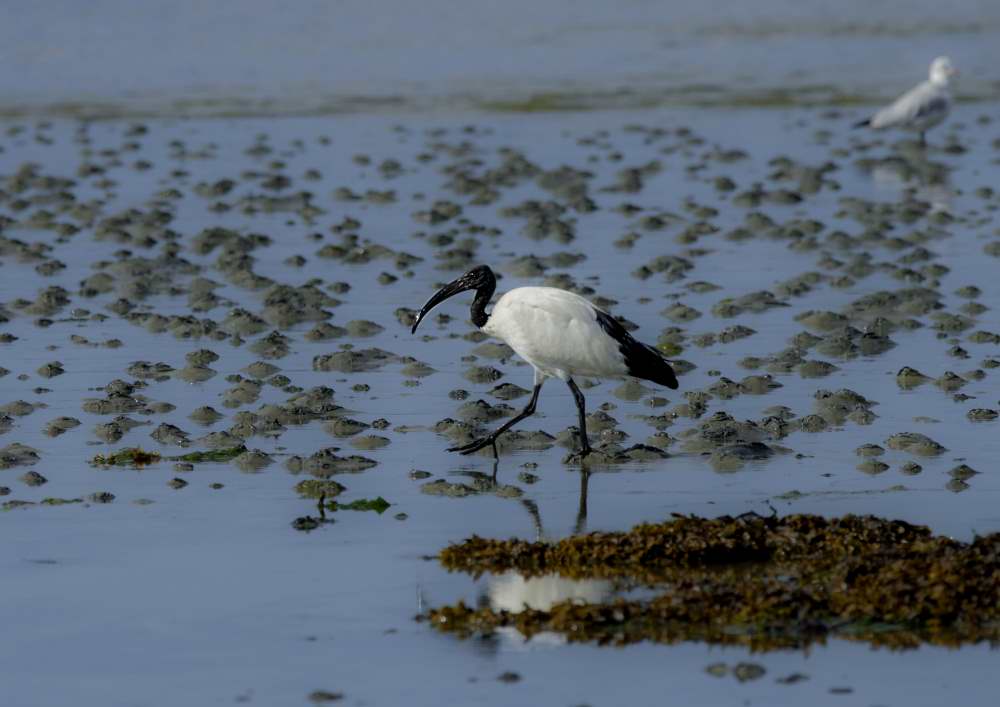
{"x":483,"y":294}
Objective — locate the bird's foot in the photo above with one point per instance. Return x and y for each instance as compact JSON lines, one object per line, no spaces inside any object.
{"x":475,"y":445}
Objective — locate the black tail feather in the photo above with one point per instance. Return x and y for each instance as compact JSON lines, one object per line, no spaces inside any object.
{"x":641,"y":360}
{"x":645,"y":362}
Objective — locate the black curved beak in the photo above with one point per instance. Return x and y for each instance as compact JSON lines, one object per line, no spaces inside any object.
{"x":450,"y":290}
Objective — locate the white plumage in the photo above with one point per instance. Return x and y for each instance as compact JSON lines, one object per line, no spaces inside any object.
{"x":556,"y":331}
{"x":922,"y":107}
{"x":560,"y":334}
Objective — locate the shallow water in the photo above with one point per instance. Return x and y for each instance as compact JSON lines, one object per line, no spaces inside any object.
{"x":179,"y":57}
{"x":206,"y":595}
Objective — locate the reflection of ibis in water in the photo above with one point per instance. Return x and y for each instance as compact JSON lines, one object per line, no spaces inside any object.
{"x":514,"y":593}
{"x":581,"y":511}
{"x":560,"y":334}
{"x":532,"y":507}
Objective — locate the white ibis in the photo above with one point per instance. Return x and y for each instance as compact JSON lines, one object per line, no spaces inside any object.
{"x":922,"y":107}
{"x":560,"y":334}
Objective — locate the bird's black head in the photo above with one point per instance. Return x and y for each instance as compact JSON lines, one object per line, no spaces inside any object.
{"x":481,"y":279}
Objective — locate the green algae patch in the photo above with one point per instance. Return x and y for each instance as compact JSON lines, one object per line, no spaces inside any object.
{"x":764,"y":582}
{"x":130,"y":456}
{"x":11,"y":505}
{"x":212,"y":455}
{"x":309,"y":523}
{"x":378,"y":505}
{"x":136,"y":456}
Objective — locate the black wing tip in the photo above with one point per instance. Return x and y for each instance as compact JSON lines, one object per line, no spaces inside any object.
{"x":641,"y":360}
{"x":862,"y":123}
{"x":612,"y":327}
{"x":653,"y":367}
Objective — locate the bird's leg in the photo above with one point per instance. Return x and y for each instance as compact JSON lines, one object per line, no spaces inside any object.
{"x":580,"y":407}
{"x":491,"y":439}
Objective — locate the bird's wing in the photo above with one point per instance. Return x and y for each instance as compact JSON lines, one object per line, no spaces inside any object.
{"x":557,"y":331}
{"x":915,"y":104}
{"x":934,"y":105}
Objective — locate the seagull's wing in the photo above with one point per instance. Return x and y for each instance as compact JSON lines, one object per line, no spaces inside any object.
{"x":918,"y":103}
{"x":936,"y":104}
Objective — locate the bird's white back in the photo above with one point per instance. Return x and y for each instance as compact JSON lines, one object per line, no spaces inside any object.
{"x":557,"y":332}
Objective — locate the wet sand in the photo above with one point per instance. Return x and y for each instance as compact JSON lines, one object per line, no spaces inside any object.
{"x":197,"y":285}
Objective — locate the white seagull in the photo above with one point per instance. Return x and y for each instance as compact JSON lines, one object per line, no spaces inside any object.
{"x":922,"y":107}
{"x":560,"y":334}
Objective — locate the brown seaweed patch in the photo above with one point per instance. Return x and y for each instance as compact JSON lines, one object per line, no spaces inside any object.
{"x":764,"y":582}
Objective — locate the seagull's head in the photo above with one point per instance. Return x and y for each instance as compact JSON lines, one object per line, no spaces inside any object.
{"x":942,"y":69}
{"x":479,"y":278}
